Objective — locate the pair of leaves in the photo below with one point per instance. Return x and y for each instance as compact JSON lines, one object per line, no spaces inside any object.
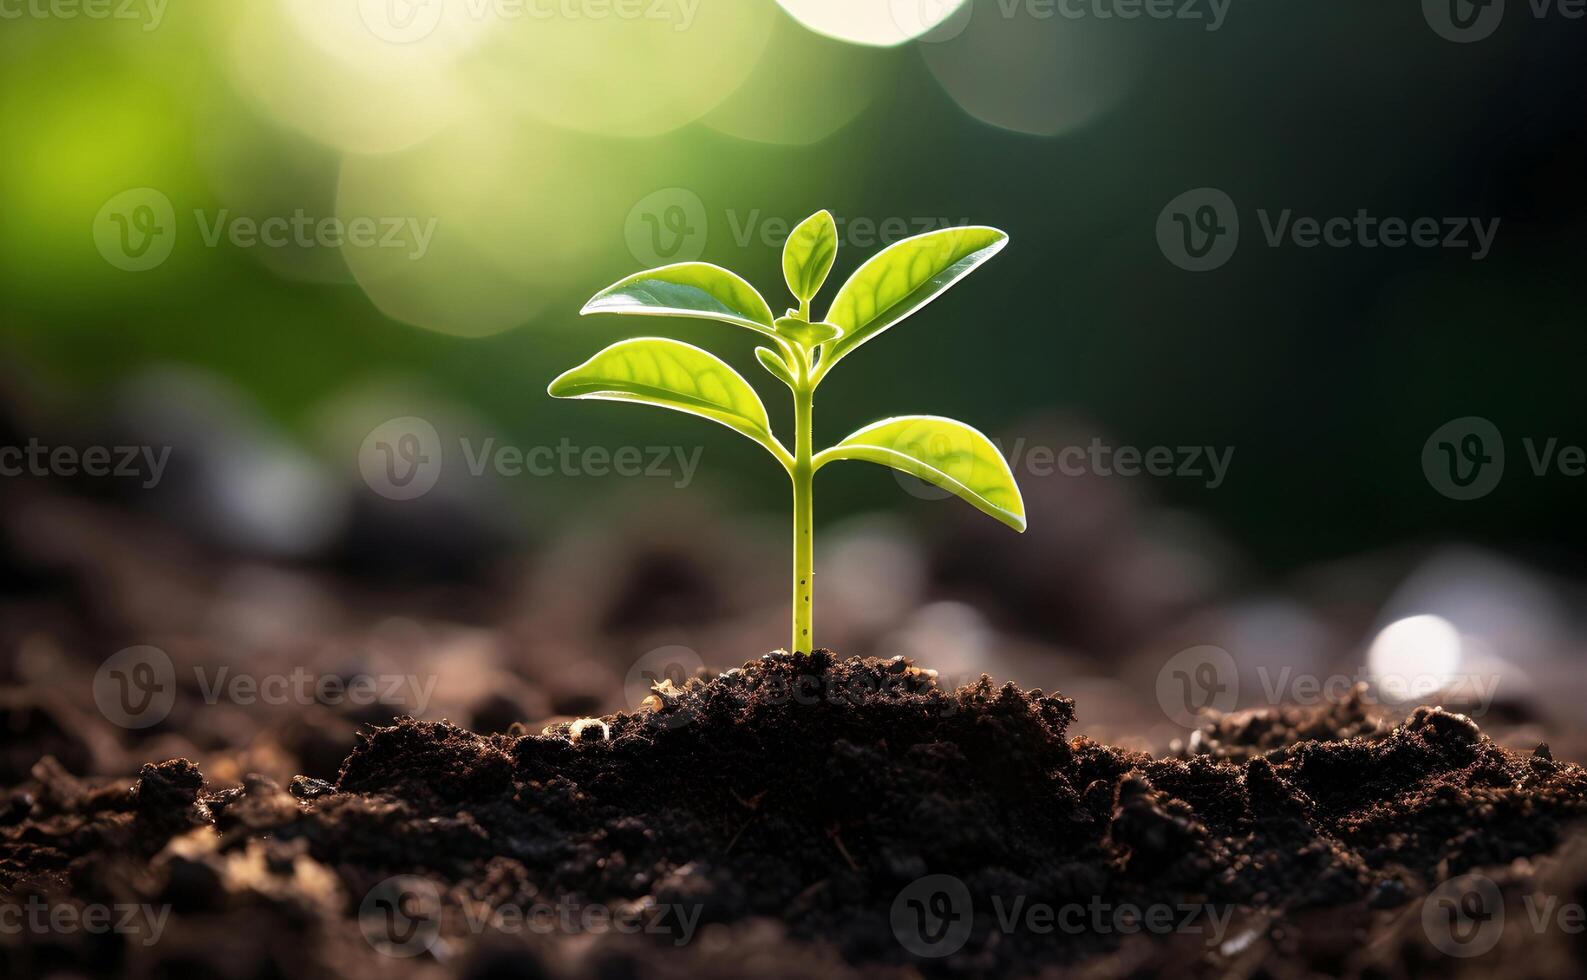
{"x":672,"y":374}
{"x":893,"y":284}
{"x":889,"y":287}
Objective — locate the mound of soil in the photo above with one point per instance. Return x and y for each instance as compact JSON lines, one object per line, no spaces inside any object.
{"x":806,"y":816}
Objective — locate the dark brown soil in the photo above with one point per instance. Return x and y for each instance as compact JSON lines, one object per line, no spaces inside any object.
{"x":779,"y":819}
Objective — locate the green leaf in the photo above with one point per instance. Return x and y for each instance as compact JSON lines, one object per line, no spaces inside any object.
{"x":675,"y":375}
{"x":807,"y":334}
{"x":901,"y":279}
{"x":945,"y":453}
{"x":773,"y":362}
{"x":808,"y":255}
{"x":689,"y":289}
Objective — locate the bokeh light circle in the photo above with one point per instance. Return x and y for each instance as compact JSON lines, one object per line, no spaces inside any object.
{"x":836,"y":82}
{"x":1044,"y":76}
{"x":628,"y":70}
{"x":883,"y":23}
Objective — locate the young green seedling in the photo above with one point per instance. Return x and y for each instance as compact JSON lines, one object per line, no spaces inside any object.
{"x":895,"y":283}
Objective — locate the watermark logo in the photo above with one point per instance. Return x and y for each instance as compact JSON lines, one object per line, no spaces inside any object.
{"x":402,"y":21}
{"x":145,"y":923}
{"x":1207,"y":464}
{"x":667,"y":226}
{"x":401,"y":916}
{"x":935,"y":21}
{"x":412,"y":21}
{"x":932,"y":21}
{"x":146,"y":464}
{"x":401,"y":458}
{"x":302,"y":230}
{"x":934,"y":442}
{"x":1464,"y":917}
{"x":1199,"y":230}
{"x":151,"y":13}
{"x":1463,"y":21}
{"x":932,"y":916}
{"x":858,"y":231}
{"x":1464,"y":458}
{"x":669,"y":666}
{"x":135,"y":231}
{"x":673,"y":225}
{"x":1195,"y":681}
{"x":136,"y":687}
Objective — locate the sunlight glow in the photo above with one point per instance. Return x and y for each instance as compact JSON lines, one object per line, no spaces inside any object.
{"x":630,"y":76}
{"x":881,"y":23}
{"x":364,"y":106}
{"x":493,"y":227}
{"x":836,"y":83}
{"x":1415,"y":657}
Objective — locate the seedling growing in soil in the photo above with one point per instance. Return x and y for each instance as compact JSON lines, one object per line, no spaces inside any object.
{"x":802,"y":351}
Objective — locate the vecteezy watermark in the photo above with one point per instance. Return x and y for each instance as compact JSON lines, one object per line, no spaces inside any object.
{"x":1465,"y":21}
{"x":934,"y":916}
{"x":666,"y":226}
{"x":1465,"y":916}
{"x":149,"y":13}
{"x":1199,"y":230}
{"x":937,"y":21}
{"x":402,"y":459}
{"x":136,"y":231}
{"x":302,"y":230}
{"x":1289,"y":686}
{"x":36,"y":917}
{"x":654,"y":679}
{"x":855,"y":232}
{"x":1208,"y":464}
{"x":411,"y":21}
{"x":1464,"y":459}
{"x":1195,"y":681}
{"x":402,"y":917}
{"x":1203,"y":679}
{"x":136,"y":688}
{"x":673,"y":225}
{"x":146,"y":464}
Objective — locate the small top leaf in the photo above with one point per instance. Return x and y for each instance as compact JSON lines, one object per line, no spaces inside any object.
{"x":808,"y":255}
{"x":943,"y":452}
{"x":807,"y":334}
{"x":675,"y":375}
{"x":902,"y":278}
{"x":689,"y":289}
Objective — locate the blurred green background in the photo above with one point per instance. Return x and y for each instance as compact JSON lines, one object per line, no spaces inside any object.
{"x":554,"y":148}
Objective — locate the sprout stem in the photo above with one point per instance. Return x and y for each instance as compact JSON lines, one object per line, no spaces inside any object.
{"x":804,"y":508}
